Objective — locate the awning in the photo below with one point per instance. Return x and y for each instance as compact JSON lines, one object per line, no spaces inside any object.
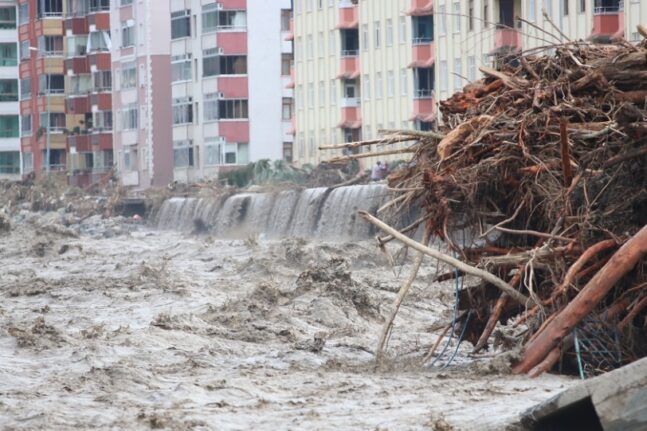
{"x":420,"y":63}
{"x":347,"y":26}
{"x":427,"y":9}
{"x":292,"y":131}
{"x":350,"y":124}
{"x":351,"y":75}
{"x":290,"y":85}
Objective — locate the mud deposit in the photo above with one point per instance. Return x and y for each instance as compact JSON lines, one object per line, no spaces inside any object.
{"x":107,"y":325}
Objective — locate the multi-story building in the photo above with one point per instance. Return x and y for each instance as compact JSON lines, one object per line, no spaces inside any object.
{"x":362,"y":65}
{"x":230,"y":66}
{"x":9,"y":94}
{"x":42,"y":85}
{"x":88,"y":90}
{"x":141,"y":97}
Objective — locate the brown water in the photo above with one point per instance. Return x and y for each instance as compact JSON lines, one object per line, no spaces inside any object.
{"x":162,"y":330}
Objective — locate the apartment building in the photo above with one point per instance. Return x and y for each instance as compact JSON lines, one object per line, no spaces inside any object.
{"x":42,"y":85}
{"x":356,"y":63}
{"x":10,"y":165}
{"x":141,"y":91}
{"x":88,"y":90}
{"x":230,"y":72}
{"x":361,"y":65}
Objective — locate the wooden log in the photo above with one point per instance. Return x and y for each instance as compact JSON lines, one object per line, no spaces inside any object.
{"x":468,"y":269}
{"x":565,"y":152}
{"x":584,"y":303}
{"x":461,"y":133}
{"x":372,"y":154}
{"x":357,"y":144}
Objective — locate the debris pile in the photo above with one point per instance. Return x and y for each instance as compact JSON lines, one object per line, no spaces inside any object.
{"x":537,"y":181}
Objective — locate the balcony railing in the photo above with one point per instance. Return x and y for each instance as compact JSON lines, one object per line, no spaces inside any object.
{"x":423,"y":93}
{"x":350,"y":102}
{"x":51,"y":14}
{"x":422,"y":40}
{"x":53,"y":53}
{"x":9,"y":169}
{"x":606,"y":10}
{"x":349,"y":52}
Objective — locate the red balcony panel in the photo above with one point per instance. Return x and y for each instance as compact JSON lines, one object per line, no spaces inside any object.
{"x":348,"y":17}
{"x":234,"y":87}
{"x":349,"y":67}
{"x":100,"y":20}
{"x":102,"y":140}
{"x":78,"y":65}
{"x":103,"y":101}
{"x":101,"y":60}
{"x":234,"y":4}
{"x":234,"y":131}
{"x":423,"y":55}
{"x":80,"y":142}
{"x":77,"y":105}
{"x":505,"y":37}
{"x":233,"y":42}
{"x":126,"y":13}
{"x":424,"y":107}
{"x":607,"y":24}
{"x":421,"y":7}
{"x":290,"y":35}
{"x":77,"y":25}
{"x":351,"y":117}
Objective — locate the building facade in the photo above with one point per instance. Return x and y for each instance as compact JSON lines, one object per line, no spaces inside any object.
{"x":230,"y":63}
{"x":10,"y":160}
{"x":141,"y":92}
{"x":42,"y":85}
{"x":88,"y":90}
{"x":365,"y":65}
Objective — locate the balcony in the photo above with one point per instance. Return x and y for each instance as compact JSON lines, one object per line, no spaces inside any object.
{"x":421,"y":8}
{"x":507,"y":38}
{"x":350,"y":118}
{"x":77,"y":65}
{"x":424,"y":106}
{"x":423,"y":55}
{"x":608,"y":18}
{"x":349,"y":67}
{"x":76,"y":25}
{"x":350,"y":102}
{"x":290,"y":33}
{"x":100,"y":19}
{"x":348,"y":15}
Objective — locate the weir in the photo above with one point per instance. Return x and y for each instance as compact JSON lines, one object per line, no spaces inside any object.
{"x":311,"y":213}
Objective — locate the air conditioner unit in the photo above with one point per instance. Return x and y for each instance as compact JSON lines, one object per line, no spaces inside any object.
{"x":221,"y":95}
{"x":220,"y":51}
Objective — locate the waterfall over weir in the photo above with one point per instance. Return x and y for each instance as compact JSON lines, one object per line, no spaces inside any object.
{"x":311,"y":213}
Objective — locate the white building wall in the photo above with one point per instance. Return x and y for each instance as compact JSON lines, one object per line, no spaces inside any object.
{"x":10,"y":72}
{"x":266,"y":86}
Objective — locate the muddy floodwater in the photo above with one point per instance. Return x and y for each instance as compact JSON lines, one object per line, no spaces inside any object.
{"x":109,"y":325}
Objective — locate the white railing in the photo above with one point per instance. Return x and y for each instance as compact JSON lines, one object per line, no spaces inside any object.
{"x":347,"y":3}
{"x":422,"y":40}
{"x":350,"y":102}
{"x":349,"y":52}
{"x":423,"y":93}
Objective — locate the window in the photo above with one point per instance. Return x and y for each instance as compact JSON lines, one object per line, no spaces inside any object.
{"x":286,"y":64}
{"x":51,"y":46}
{"x":457,"y":17}
{"x":8,"y":54}
{"x":486,"y":16}
{"x":232,"y":20}
{"x":310,"y":102}
{"x":8,"y":17}
{"x":367,"y":87}
{"x":99,"y":5}
{"x":51,"y":84}
{"x":183,"y":154}
{"x":378,"y":85}
{"x":79,"y":84}
{"x":23,"y":13}
{"x":287,"y":152}
{"x":9,"y":126}
{"x":471,"y":68}
{"x":322,"y":94}
{"x":299,"y":97}
{"x":236,"y":154}
{"x":565,"y":2}
{"x":102,"y":120}
{"x":582,"y":6}
{"x":443,"y":19}
{"x":8,"y":90}
{"x":286,"y":111}
{"x":333,"y":92}
{"x":309,"y":47}
{"x":127,"y":34}
{"x":50,"y":8}
{"x":9,"y":162}
{"x":297,"y":6}
{"x":332,"y":44}
{"x":181,"y":24}
{"x":128,"y":75}
{"x":125,"y":2}
{"x":404,"y":82}
{"x":209,"y":17}
{"x":458,"y":72}
{"x":233,"y":109}
{"x":365,"y":37}
{"x":129,"y":117}
{"x":532,"y":10}
{"x":214,"y":64}
{"x":389,"y":32}
{"x":320,"y":44}
{"x":25,"y":53}
{"x":56,"y":121}
{"x":213,"y":149}
{"x":470,"y":15}
{"x":390,"y":84}
{"x":403,"y":29}
{"x":181,"y":68}
{"x":25,"y":88}
{"x":286,"y":16}
{"x":27,"y":163}
{"x":183,"y":110}
{"x":25,"y":125}
{"x":423,"y":29}
{"x":548,"y":7}
{"x":378,"y":34}
{"x":99,"y":41}
{"x":443,"y":76}
{"x":130,"y":159}
{"x":77,"y":46}
{"x":211,"y":106}
{"x":308,"y":5}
